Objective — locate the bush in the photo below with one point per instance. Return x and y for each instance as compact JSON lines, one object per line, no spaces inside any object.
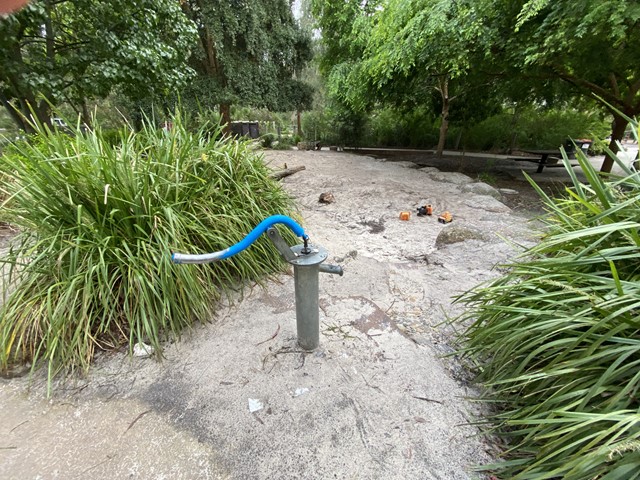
{"x":267,"y":140}
{"x":396,"y":128}
{"x":556,"y":341}
{"x":284,"y":143}
{"x":91,"y":267}
{"x":533,"y":128}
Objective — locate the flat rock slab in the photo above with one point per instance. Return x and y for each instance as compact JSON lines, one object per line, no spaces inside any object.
{"x":484,"y":203}
{"x":481,"y":188}
{"x":449,"y":177}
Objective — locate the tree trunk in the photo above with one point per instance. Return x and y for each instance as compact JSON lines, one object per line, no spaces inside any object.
{"x":299,"y":123}
{"x":13,"y":113}
{"x":514,"y":131}
{"x":618,"y":127}
{"x":225,"y":114}
{"x":444,"y":126}
{"x":86,"y":116}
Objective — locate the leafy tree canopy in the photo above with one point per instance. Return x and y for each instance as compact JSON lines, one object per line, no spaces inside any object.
{"x":63,"y":50}
{"x":535,"y":49}
{"x":251,"y":53}
{"x":589,"y":45}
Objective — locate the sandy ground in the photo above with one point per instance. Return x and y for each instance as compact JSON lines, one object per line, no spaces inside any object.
{"x":375,"y":400}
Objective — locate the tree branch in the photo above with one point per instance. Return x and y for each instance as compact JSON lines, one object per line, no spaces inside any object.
{"x":592,"y":87}
{"x":614,"y":84}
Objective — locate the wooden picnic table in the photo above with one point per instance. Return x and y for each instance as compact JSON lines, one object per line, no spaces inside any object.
{"x":541,"y":157}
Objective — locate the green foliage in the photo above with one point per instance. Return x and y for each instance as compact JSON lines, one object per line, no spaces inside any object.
{"x":267,"y":140}
{"x":418,"y":128}
{"x":318,"y":125}
{"x":556,"y":341}
{"x":589,"y":46}
{"x":396,"y":52}
{"x":91,"y":268}
{"x":487,"y":178}
{"x":336,"y":125}
{"x":400,"y":53}
{"x":533,"y":128}
{"x":250,"y":53}
{"x":344,"y":30}
{"x":284,"y":143}
{"x":398,"y":128}
{"x":269,"y":122}
{"x":73,"y":50}
{"x":425,"y":37}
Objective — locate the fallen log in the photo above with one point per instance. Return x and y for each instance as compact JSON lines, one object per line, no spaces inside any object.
{"x":286,"y":172}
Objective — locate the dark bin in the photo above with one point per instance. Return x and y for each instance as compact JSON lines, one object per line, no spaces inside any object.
{"x":246,"y":129}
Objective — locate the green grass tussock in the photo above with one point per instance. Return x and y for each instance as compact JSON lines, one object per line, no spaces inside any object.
{"x":556,"y":341}
{"x":91,"y":268}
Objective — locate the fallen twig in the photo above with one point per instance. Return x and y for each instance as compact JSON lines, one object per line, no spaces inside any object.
{"x":375,"y":387}
{"x":271,"y":337}
{"x":20,"y":424}
{"x":428,"y":399}
{"x":286,"y":172}
{"x":135,"y":420}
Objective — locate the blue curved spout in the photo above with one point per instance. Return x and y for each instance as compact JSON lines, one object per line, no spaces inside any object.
{"x":243,"y":244}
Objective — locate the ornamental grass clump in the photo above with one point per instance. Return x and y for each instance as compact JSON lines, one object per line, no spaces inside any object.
{"x":556,"y":341}
{"x":98,"y":220}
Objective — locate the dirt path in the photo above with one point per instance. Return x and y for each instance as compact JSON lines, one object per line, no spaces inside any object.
{"x":376,"y":400}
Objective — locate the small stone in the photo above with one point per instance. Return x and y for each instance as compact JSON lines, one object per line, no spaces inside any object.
{"x":300,"y":391}
{"x":508,"y":191}
{"x":255,"y":405}
{"x":142,"y":350}
{"x":326,"y":197}
{"x":374,"y":332}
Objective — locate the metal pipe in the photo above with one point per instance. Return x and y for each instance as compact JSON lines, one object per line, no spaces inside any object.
{"x":307,"y":264}
{"x":306,"y":270}
{"x":334,"y":269}
{"x":243,"y":244}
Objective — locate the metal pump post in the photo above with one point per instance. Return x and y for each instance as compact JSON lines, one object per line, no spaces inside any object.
{"x":307,"y":264}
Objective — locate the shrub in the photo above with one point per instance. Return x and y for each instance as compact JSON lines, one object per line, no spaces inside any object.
{"x":267,"y":140}
{"x":556,"y":341}
{"x":396,"y":128}
{"x":533,"y":128}
{"x":91,"y":267}
{"x":284,"y":143}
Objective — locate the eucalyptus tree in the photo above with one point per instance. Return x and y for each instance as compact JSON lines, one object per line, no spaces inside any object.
{"x":55,"y":51}
{"x":250,"y":53}
{"x":590,"y":45}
